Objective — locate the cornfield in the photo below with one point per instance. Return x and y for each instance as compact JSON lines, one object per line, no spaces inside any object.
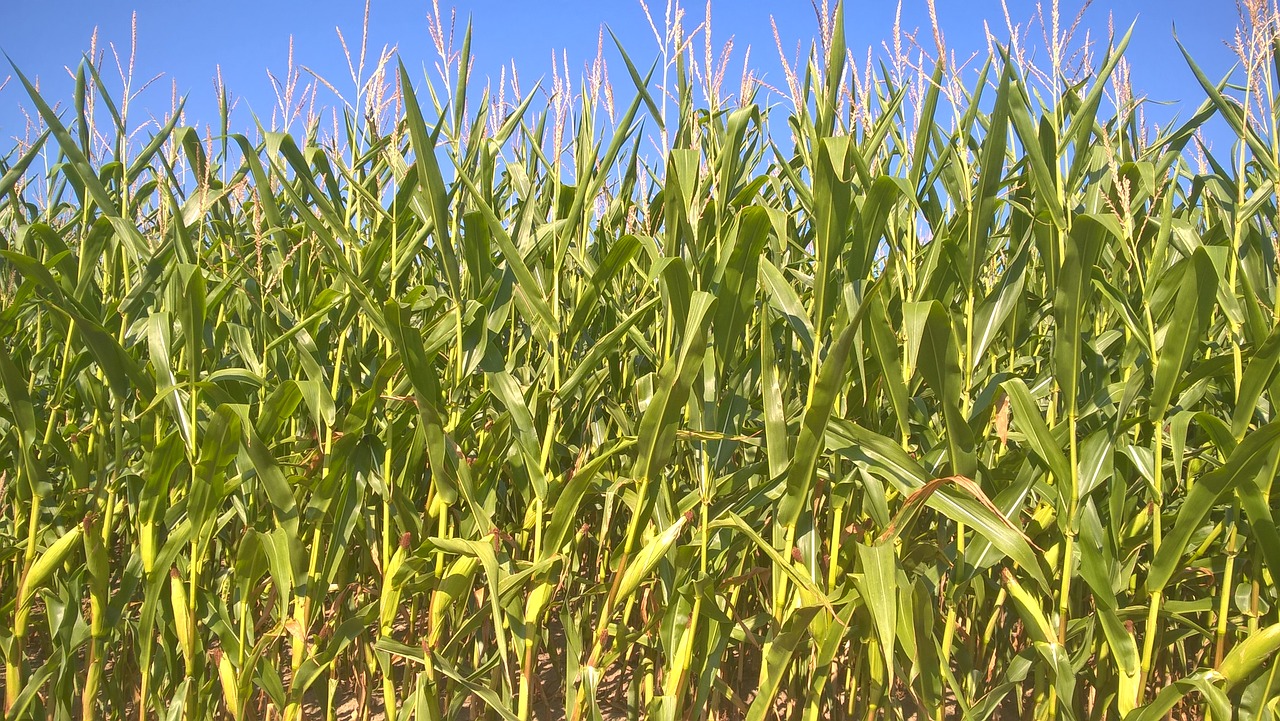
{"x":932,"y":392}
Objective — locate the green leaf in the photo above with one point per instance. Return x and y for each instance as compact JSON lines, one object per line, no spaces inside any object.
{"x":1027,"y":418}
{"x":878,"y":584}
{"x":619,"y":255}
{"x":647,"y":559}
{"x":777,"y":658}
{"x":817,"y":412}
{"x":884,"y":347}
{"x":1070,"y":303}
{"x":431,"y":189}
{"x":426,"y":388}
{"x":887,"y":459}
{"x":1192,"y":312}
{"x":655,"y":439}
{"x":1256,"y":376}
{"x":1256,"y":450}
{"x":219,"y":443}
{"x":736,"y":292}
{"x":940,"y":365}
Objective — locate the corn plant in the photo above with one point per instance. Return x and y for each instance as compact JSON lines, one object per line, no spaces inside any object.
{"x":914,"y":397}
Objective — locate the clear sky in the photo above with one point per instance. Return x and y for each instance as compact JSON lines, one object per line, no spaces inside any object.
{"x":187,"y":41}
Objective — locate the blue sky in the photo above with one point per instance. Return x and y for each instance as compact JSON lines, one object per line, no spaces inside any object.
{"x":188,"y":41}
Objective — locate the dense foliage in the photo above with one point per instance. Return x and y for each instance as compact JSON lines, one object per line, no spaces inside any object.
{"x":916,"y":397}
